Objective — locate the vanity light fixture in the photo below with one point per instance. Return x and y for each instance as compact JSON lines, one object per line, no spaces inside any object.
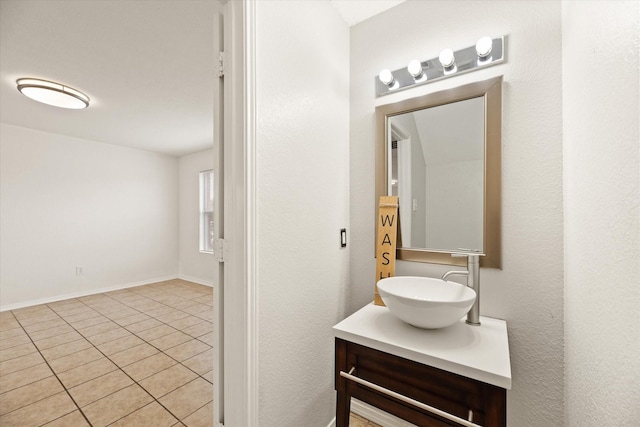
{"x":483,"y":47}
{"x":447,"y":58}
{"x":52,"y":93}
{"x":415,"y":69}
{"x":486,"y":52}
{"x":386,"y":77}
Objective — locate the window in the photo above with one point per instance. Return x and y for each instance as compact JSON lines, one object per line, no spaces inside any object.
{"x":206,"y":211}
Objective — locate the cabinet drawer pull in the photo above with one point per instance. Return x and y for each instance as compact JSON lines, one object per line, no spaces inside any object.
{"x":376,"y":387}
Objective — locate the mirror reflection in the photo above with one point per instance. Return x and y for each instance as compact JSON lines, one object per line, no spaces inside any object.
{"x":440,"y":153}
{"x":437,"y":171}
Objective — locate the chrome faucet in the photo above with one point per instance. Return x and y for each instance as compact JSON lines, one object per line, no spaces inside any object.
{"x":473,"y":281}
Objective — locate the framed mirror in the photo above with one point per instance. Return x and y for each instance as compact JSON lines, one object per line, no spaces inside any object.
{"x":441,"y":155}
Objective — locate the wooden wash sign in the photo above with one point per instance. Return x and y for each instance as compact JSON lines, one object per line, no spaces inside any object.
{"x":386,"y":241}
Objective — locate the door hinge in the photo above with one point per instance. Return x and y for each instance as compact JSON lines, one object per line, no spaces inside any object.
{"x":220,"y":64}
{"x":220,"y":249}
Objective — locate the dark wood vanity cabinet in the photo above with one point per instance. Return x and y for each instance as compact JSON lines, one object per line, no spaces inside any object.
{"x":443,"y":390}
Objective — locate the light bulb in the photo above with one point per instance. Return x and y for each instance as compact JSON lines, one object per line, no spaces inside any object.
{"x":447,"y":59}
{"x":386,"y":77}
{"x":415,"y":69}
{"x":483,"y":47}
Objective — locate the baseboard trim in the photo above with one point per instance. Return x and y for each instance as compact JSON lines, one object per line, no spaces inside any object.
{"x":332,"y":423}
{"x":84,"y":293}
{"x":377,"y":416}
{"x":204,"y":282}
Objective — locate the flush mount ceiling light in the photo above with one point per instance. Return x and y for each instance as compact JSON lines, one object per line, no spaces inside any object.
{"x":450,"y":63}
{"x":52,"y":93}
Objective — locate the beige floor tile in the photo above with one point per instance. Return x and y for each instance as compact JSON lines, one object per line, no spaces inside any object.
{"x":207,"y":338}
{"x":134,"y":318}
{"x":120,"y":344}
{"x":167,"y":380}
{"x":99,"y":387}
{"x":127,"y":357}
{"x":155,"y":332}
{"x":79,"y":315}
{"x":51,"y":332}
{"x":12,"y":342}
{"x":108,"y":336}
{"x":199,"y":329}
{"x":74,"y":360}
{"x":50,"y":317}
{"x":12,"y":333}
{"x":203,"y":417}
{"x":187,"y":399}
{"x":23,"y":377}
{"x":152,"y":415}
{"x":120,"y":314}
{"x":172,"y":316}
{"x":54,"y":341}
{"x":40,"y":412}
{"x":66,"y":349}
{"x":141,"y":326}
{"x":185,"y":322}
{"x":159,"y":311}
{"x":208,"y":376}
{"x":146,"y":367}
{"x":44,"y":325}
{"x":8,"y":324}
{"x":19,"y":363}
{"x":83,"y":373}
{"x":170,"y":340}
{"x":98,"y":329}
{"x":357,"y":421}
{"x":206,"y":315}
{"x":17,"y":351}
{"x":73,"y":419}
{"x":92,"y":321}
{"x":206,"y":299}
{"x":200,"y":363}
{"x":187,"y":350}
{"x":117,"y":405}
{"x":27,"y":394}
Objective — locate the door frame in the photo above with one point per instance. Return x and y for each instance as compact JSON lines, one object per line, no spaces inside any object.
{"x":240,"y":329}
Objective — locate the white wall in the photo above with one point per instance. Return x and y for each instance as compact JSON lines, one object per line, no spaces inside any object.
{"x":602,"y":214}
{"x":193,"y":264}
{"x":302,"y":196}
{"x":68,"y":202}
{"x":528,"y":291}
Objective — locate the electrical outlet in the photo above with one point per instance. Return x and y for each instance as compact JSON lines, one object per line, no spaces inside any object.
{"x":79,"y":271}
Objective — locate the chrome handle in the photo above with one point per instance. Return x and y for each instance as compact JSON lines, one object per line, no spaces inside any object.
{"x":409,"y":400}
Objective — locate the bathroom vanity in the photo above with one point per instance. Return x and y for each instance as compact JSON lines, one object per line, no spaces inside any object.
{"x":451,"y":376}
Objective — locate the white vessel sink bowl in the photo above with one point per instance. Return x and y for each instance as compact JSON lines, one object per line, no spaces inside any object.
{"x":425,"y":302}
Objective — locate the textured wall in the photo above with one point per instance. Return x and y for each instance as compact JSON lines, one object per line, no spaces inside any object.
{"x":69,"y":202}
{"x":302,"y":196}
{"x":602,"y":214}
{"x":192,"y":264}
{"x":528,"y":291}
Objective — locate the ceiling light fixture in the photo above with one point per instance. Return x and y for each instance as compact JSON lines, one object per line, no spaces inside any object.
{"x":52,"y":93}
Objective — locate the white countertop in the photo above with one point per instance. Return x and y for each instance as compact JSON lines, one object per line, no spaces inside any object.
{"x":478,"y":352}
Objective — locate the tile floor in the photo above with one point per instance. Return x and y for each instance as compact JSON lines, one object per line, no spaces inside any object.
{"x":358,"y":421}
{"x":135,"y":357}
